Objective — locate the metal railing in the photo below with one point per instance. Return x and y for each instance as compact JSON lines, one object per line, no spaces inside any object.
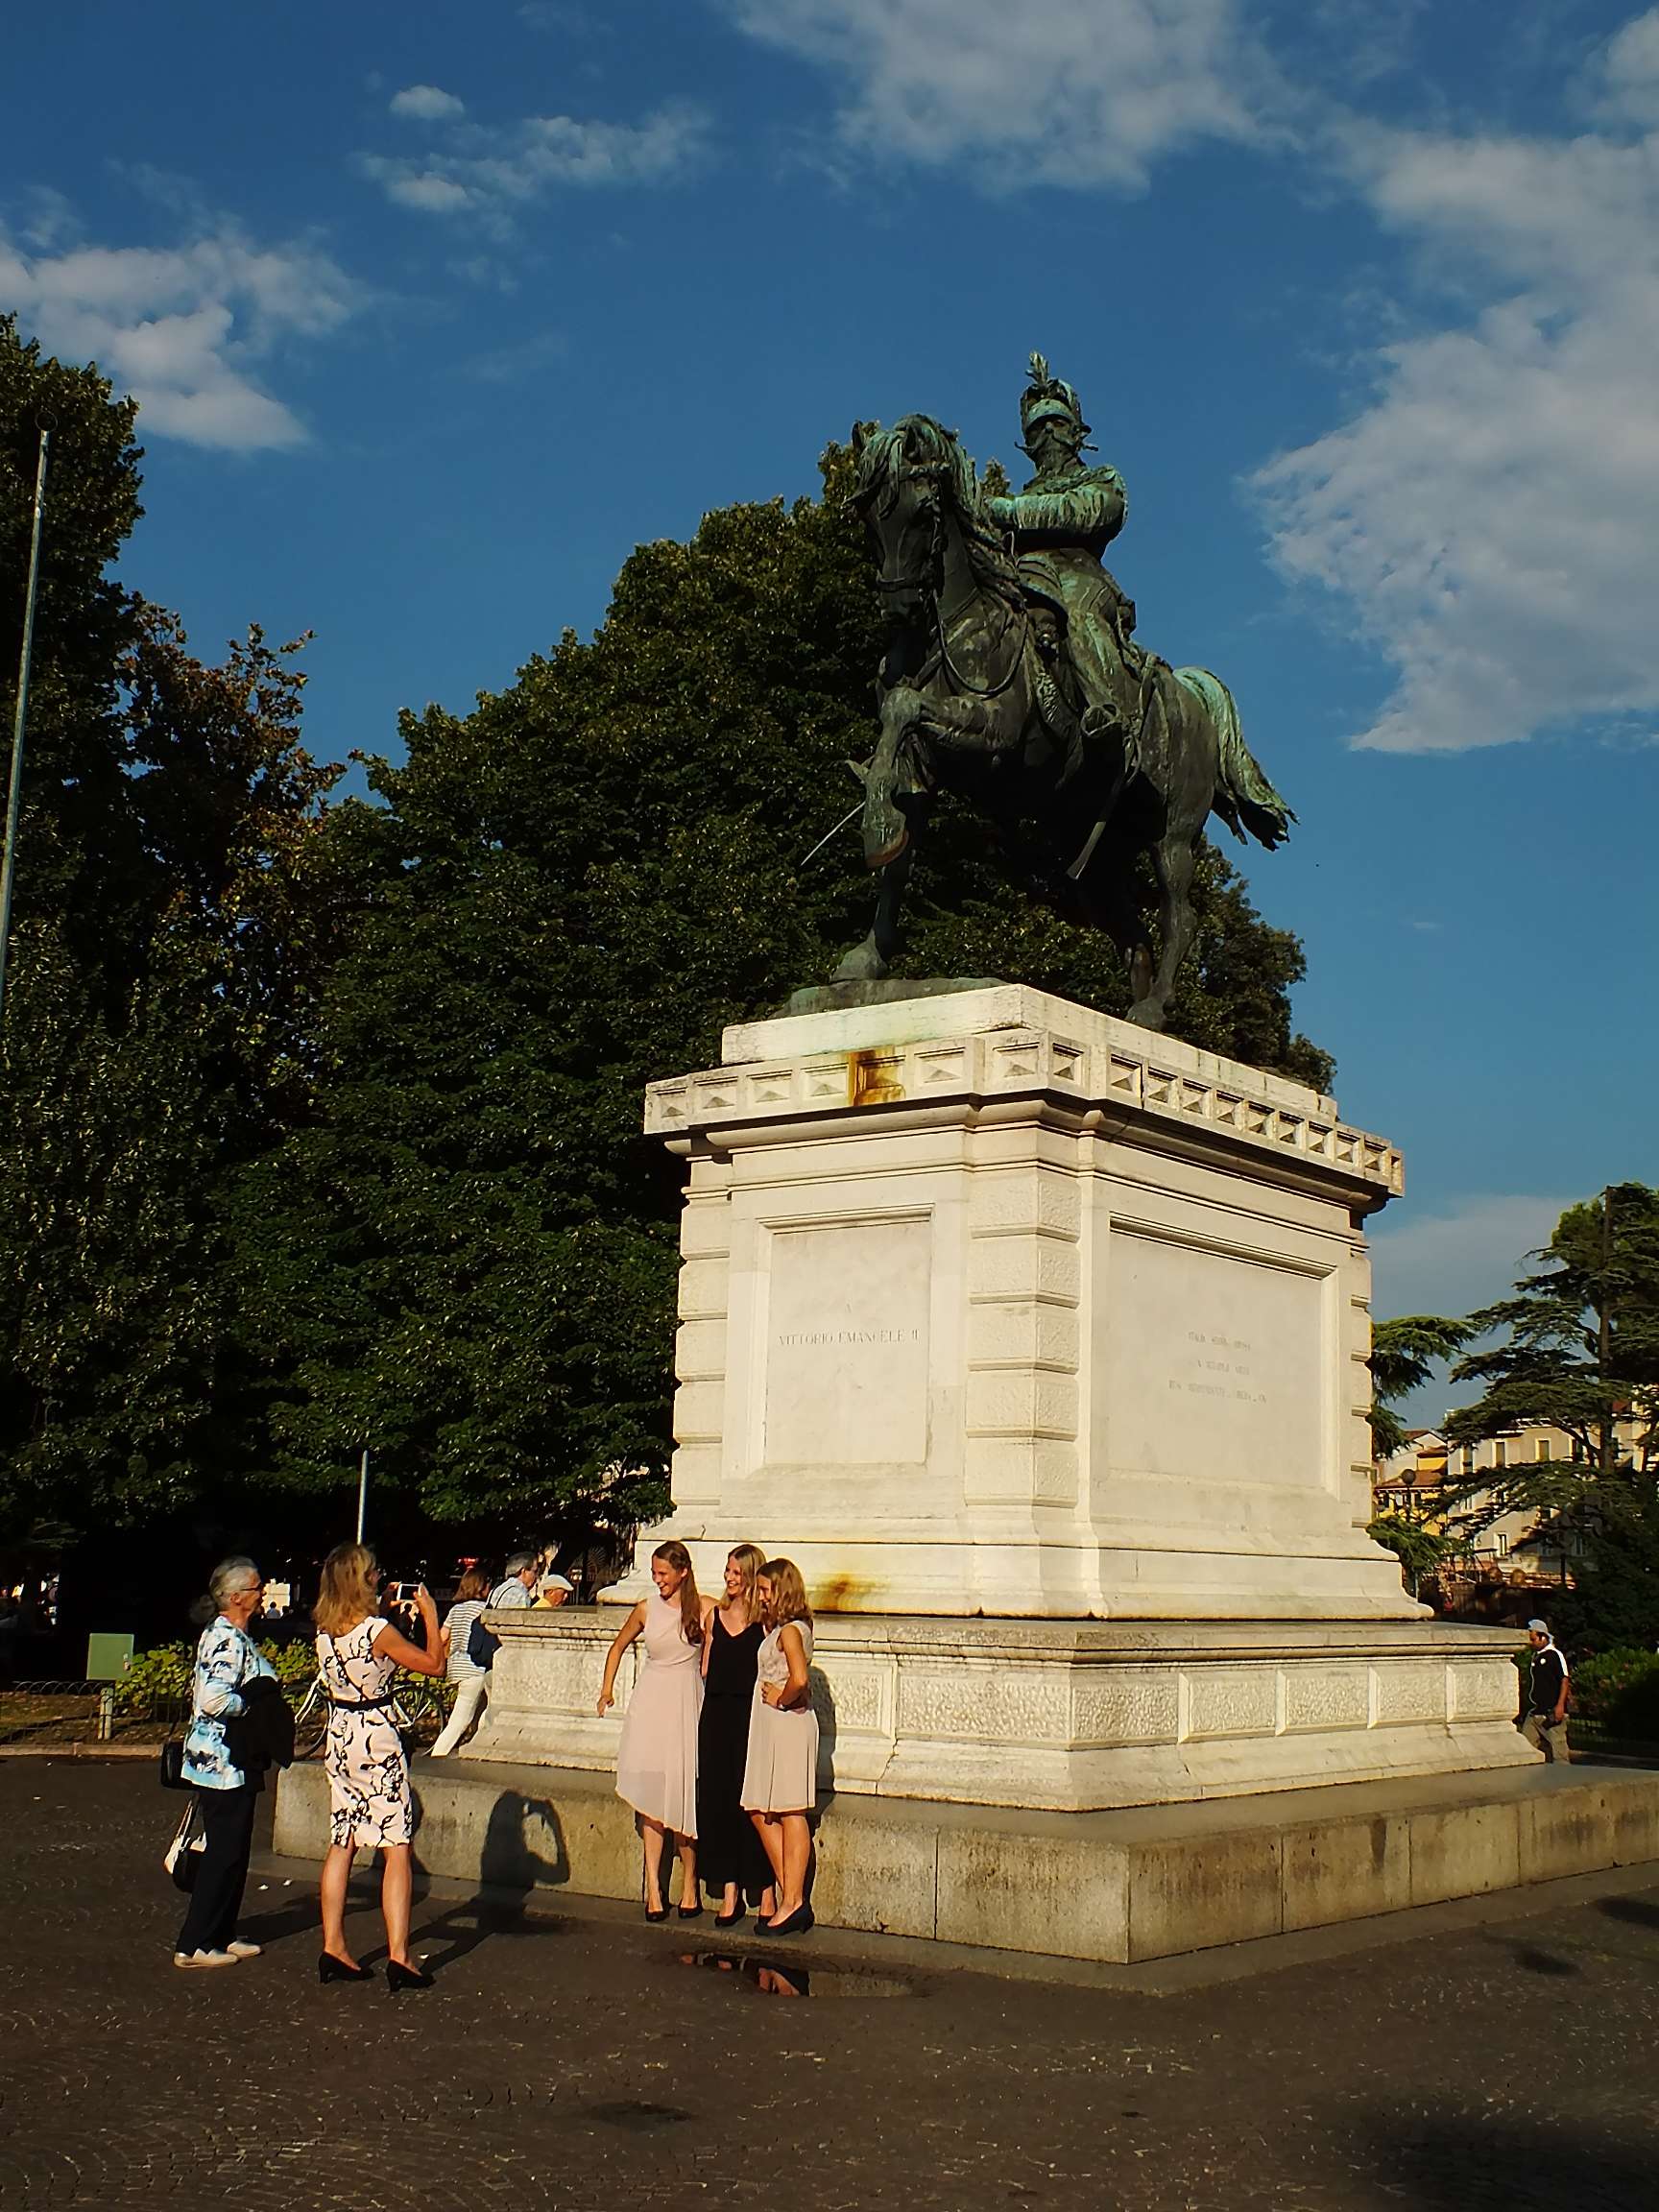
{"x":41,"y":1715}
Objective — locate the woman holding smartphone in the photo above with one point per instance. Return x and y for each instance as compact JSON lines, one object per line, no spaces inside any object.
{"x":358,"y":1653}
{"x":780,"y":1776}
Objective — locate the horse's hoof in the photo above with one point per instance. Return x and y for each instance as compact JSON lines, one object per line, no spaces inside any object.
{"x":862,"y":965}
{"x":1147,"y":1014}
{"x":882,"y":846}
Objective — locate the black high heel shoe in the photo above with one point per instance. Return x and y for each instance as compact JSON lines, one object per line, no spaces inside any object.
{"x":654,"y":1915}
{"x":796,"y":1923}
{"x":331,"y":1968}
{"x":401,"y":1977}
{"x":731,"y":1919}
{"x":695,"y":1914}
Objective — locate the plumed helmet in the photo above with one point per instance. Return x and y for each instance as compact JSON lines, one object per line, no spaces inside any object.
{"x":1048,"y":399}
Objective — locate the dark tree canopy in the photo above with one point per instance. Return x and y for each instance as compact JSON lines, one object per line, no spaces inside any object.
{"x":320,"y":1126}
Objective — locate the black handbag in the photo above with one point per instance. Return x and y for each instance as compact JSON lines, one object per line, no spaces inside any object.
{"x":172,"y":1765}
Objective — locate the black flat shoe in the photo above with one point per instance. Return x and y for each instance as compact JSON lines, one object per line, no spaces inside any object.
{"x":695,"y":1914}
{"x":401,"y":1977}
{"x":330,"y":1969}
{"x":660,"y":1914}
{"x":731,"y":1919}
{"x":796,"y":1923}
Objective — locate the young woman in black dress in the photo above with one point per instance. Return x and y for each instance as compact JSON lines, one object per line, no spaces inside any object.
{"x":729,"y":1855}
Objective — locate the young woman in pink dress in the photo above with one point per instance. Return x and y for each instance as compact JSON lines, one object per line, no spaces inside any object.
{"x":657,"y":1759}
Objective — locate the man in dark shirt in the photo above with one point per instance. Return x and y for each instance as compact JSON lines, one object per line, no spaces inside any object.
{"x":1544,"y":1722}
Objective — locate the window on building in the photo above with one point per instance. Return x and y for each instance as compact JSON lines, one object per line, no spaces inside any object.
{"x":1468,"y":1458}
{"x":1500,"y":1452}
{"x":1544,"y":1449}
{"x":1500,"y":1543}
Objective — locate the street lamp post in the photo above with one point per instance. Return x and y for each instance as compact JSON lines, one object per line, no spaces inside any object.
{"x":14,"y":792}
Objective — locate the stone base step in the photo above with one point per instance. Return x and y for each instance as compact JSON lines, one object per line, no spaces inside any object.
{"x":1122,"y":1886}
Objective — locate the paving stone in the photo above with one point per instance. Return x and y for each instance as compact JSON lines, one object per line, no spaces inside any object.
{"x":569,"y":2061}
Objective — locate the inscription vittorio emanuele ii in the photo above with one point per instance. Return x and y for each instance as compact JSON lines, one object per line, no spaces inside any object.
{"x":830,"y":1337}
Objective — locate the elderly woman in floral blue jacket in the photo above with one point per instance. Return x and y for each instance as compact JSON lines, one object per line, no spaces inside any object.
{"x":227,"y":1663}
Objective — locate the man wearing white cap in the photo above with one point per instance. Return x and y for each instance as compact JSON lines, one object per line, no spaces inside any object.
{"x":1544,"y":1723}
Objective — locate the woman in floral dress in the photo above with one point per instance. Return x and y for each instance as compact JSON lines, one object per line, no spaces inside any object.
{"x":358,"y":1653}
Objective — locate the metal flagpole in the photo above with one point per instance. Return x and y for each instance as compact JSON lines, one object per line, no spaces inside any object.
{"x":15,"y":795}
{"x":361,"y":1492}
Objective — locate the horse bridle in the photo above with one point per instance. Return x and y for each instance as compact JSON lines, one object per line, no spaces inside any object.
{"x":931,"y":584}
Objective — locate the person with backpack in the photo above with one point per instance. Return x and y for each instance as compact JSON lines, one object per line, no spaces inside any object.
{"x":472,"y":1679}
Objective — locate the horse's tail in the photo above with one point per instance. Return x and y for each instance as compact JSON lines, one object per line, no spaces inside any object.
{"x":1244,"y":799}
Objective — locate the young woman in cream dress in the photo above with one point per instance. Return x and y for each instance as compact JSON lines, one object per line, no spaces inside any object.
{"x":781,"y":1779}
{"x":657,"y":1759}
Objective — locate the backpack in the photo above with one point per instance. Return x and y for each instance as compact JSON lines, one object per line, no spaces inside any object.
{"x":481,"y":1645}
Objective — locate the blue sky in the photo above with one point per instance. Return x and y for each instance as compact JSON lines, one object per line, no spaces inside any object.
{"x":435,"y":313}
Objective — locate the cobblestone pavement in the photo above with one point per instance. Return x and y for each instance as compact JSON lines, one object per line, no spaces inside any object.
{"x":571,"y":2062}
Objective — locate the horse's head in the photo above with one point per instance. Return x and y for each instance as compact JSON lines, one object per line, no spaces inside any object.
{"x":909,"y":482}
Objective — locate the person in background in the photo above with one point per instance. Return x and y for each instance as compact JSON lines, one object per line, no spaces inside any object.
{"x":518,"y":1588}
{"x":358,"y":1653}
{"x":1544,"y":1721}
{"x":226,"y":1662}
{"x":471,"y":1682}
{"x":781,"y":1774}
{"x":555,"y":1591}
{"x":656,"y":1758}
{"x":730,"y":1855}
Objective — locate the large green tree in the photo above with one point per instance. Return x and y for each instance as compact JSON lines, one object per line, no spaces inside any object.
{"x":1577,"y":1346}
{"x":466,"y":1258}
{"x":173,"y":903}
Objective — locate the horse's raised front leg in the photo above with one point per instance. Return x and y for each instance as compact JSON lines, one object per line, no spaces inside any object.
{"x":886,"y":830}
{"x":1173,"y":860}
{"x":867,"y":961}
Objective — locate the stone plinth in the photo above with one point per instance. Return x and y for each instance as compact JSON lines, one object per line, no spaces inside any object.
{"x":993,"y":1305}
{"x":1113,"y":1887}
{"x":1067,"y":1716}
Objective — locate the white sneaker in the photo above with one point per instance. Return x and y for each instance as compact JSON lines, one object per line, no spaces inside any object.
{"x":241,"y":1950}
{"x":203,"y":1959}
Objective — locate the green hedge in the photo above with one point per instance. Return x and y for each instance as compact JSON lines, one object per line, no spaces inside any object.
{"x":1617,"y":1691}
{"x":164,"y":1672}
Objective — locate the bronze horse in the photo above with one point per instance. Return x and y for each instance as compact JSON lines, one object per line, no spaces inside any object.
{"x":976,"y":698}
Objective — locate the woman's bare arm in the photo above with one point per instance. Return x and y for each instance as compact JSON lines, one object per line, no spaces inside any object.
{"x":619,"y":1643}
{"x":797,"y":1692}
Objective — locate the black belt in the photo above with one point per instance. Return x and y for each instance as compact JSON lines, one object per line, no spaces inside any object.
{"x":360,"y":1705}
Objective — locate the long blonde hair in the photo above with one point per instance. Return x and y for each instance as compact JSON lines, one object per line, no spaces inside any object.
{"x":674,"y":1554}
{"x":788,"y":1593}
{"x":346,"y":1593}
{"x":751,"y":1560}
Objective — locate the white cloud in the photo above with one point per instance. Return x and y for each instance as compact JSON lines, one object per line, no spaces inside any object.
{"x":180,"y":327}
{"x":491,"y":171}
{"x":1068,"y":92}
{"x":426,"y":103}
{"x":1488,"y":514}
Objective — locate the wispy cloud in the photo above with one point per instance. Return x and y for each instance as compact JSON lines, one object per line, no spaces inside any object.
{"x":183,"y":327}
{"x":426,"y":103}
{"x":1068,"y":92}
{"x":473,"y":169}
{"x":1487,"y":516}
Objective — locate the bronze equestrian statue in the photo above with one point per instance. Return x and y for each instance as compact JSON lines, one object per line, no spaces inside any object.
{"x":1012,"y":675}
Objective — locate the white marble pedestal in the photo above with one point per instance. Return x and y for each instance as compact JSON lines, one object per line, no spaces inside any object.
{"x":993,"y":1307}
{"x":990,"y":1304}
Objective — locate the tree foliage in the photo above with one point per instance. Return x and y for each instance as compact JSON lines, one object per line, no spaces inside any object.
{"x":320,"y":1124}
{"x":1402,"y":1358}
{"x":169,"y":901}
